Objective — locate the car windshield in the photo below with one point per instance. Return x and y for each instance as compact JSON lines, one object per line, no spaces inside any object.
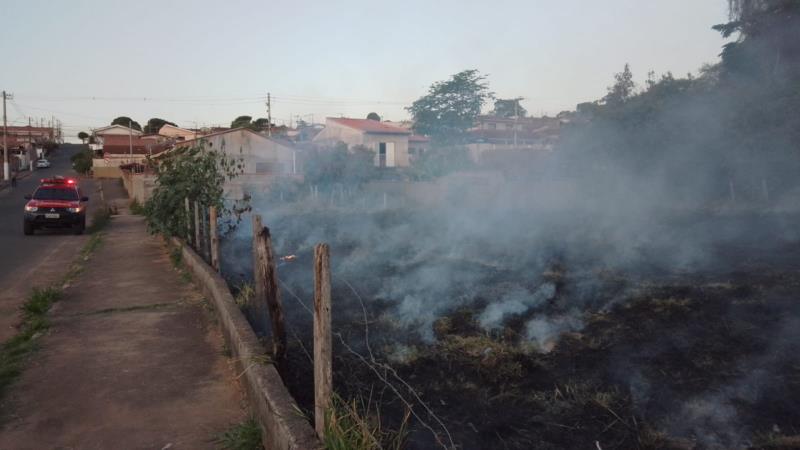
{"x":55,"y":194}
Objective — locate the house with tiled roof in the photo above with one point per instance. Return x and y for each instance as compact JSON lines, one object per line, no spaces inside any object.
{"x":176,"y":133}
{"x":389,"y":142}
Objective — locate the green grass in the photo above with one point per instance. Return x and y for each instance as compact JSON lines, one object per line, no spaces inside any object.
{"x":136,"y":208}
{"x":76,"y":268}
{"x":176,"y":256}
{"x":16,"y":350}
{"x":242,"y":436}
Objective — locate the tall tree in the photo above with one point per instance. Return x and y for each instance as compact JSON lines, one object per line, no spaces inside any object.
{"x":260,"y":124}
{"x":509,"y":107}
{"x":768,"y":43}
{"x":242,"y":121}
{"x":127,"y":121}
{"x":451,"y":107}
{"x":374,"y":116}
{"x":83,"y":136}
{"x":155,"y":124}
{"x":622,"y":89}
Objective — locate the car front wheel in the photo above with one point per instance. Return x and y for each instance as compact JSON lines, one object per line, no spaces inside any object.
{"x":27,"y":228}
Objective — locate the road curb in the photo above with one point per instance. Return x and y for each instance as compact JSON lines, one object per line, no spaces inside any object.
{"x":285,"y":428}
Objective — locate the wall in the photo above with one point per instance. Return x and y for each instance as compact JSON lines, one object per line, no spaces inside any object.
{"x":106,"y":172}
{"x":264,"y":160}
{"x":284,"y":426}
{"x":139,"y":186}
{"x":335,"y":133}
{"x":400,"y":146}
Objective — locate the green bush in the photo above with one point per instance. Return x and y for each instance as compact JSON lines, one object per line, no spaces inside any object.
{"x":194,"y":173}
{"x":82,"y":161}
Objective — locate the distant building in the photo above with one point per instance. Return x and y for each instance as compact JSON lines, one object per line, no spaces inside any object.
{"x":98,"y":136}
{"x":389,"y":142}
{"x":26,"y":136}
{"x":264,"y":159}
{"x":176,"y":133}
{"x":493,"y":134}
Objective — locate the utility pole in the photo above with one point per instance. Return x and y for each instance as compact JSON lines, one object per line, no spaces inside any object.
{"x":6,"y":174}
{"x":130,"y":139}
{"x":269,"y":115}
{"x":516,"y":118}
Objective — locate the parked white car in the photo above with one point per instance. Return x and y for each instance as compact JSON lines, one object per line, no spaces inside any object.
{"x":42,"y":163}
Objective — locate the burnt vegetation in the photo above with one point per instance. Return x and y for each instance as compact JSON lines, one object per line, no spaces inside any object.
{"x":639,"y":292}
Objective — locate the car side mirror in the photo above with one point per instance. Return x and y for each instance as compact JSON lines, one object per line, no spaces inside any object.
{"x":84,"y":199}
{"x":28,"y":196}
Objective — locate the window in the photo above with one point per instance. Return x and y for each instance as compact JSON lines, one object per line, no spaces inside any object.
{"x":56,"y":194}
{"x":386,"y":154}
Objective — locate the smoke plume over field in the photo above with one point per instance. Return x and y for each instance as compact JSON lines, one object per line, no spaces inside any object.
{"x":655,"y":250}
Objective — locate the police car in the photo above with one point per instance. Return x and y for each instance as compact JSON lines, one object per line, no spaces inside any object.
{"x":57,"y":203}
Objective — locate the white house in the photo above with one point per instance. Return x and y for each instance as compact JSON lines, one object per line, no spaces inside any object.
{"x":389,"y":142}
{"x":264,"y":159}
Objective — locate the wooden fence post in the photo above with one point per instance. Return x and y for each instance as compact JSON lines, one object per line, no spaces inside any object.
{"x":188,"y":222}
{"x":323,"y":377}
{"x":206,"y":235}
{"x":197,"y":240}
{"x":212,"y":225}
{"x":267,"y":277}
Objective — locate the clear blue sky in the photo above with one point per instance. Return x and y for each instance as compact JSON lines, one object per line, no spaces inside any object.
{"x":209,"y":61}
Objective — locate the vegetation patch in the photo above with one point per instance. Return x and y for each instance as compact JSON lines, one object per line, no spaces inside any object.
{"x":100,"y":218}
{"x":242,"y":436}
{"x":357,"y":425}
{"x":16,"y":350}
{"x":136,"y":208}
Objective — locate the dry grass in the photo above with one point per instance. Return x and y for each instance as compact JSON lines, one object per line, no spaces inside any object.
{"x":356,"y":425}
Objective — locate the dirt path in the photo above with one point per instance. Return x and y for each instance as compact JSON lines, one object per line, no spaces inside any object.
{"x":134,"y":359}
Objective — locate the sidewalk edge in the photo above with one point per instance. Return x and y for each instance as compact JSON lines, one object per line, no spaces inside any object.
{"x":275,"y":409}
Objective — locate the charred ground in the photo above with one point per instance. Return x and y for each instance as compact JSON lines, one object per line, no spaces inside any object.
{"x":638,"y":354}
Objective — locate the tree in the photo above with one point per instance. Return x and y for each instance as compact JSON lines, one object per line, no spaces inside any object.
{"x":508,"y":108}
{"x":127,"y":122}
{"x":155,"y":124}
{"x":767,"y":45}
{"x":195,"y":173}
{"x":623,"y":87}
{"x":451,"y":107}
{"x":242,"y":122}
{"x":374,"y":116}
{"x":82,"y":161}
{"x":83,"y":136}
{"x":260,"y":124}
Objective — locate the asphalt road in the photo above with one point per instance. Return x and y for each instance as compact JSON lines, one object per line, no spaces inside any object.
{"x":18,"y":251}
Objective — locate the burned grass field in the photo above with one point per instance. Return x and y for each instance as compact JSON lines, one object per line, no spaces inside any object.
{"x":500,"y":334}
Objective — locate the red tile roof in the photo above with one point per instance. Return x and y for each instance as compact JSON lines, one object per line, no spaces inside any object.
{"x":369,"y":126}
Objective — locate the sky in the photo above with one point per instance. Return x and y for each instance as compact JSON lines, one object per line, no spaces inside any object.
{"x":202,"y":63}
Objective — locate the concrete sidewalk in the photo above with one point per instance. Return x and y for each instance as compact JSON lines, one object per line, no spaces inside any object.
{"x":134,"y":359}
